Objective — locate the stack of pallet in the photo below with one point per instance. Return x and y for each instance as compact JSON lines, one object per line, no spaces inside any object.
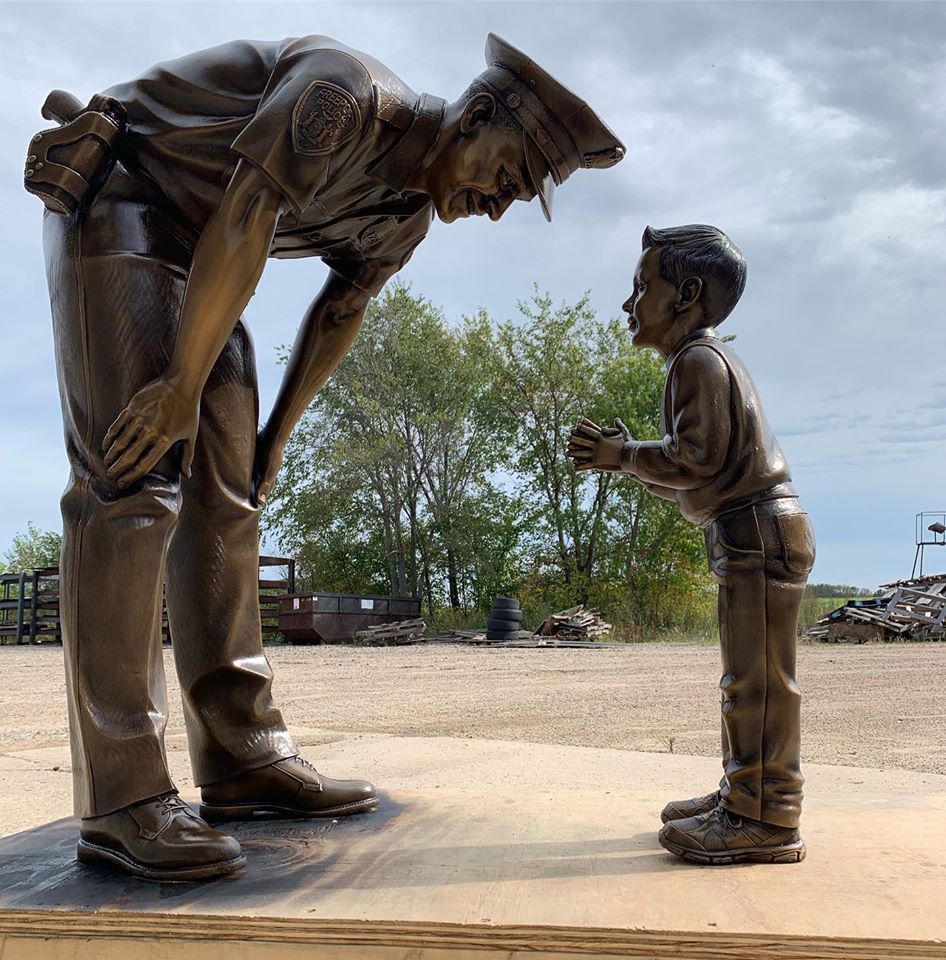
{"x":576,"y":623}
{"x":908,"y":610}
{"x":391,"y":634}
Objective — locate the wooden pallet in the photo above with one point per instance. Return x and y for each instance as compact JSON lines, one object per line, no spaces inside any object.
{"x":914,"y":609}
{"x":576,"y":623}
{"x":391,"y":634}
{"x":526,"y":640}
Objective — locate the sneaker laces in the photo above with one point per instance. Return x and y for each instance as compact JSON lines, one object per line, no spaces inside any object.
{"x":725,"y":816}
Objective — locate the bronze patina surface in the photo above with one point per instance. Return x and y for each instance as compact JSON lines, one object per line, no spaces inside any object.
{"x":720,"y":462}
{"x":165,"y":198}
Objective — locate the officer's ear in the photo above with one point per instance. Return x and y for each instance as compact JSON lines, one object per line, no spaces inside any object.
{"x":688,"y":293}
{"x":479,"y":109}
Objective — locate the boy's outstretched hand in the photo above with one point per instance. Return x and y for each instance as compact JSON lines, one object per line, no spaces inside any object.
{"x":591,"y":447}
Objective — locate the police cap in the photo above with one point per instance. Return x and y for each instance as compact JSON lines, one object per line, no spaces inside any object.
{"x":560,"y":131}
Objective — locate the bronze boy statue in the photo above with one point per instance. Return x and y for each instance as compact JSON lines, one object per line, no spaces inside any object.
{"x":720,"y":462}
{"x":223,"y":158}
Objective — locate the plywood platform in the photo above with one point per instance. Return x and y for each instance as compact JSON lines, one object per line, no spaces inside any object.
{"x":485,"y":849}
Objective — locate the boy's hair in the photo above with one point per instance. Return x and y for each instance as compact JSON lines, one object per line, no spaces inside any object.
{"x":698,"y":250}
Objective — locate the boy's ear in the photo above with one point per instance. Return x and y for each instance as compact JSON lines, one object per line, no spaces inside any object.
{"x":688,"y":293}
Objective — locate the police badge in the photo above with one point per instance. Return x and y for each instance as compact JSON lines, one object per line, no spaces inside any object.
{"x":324,"y":117}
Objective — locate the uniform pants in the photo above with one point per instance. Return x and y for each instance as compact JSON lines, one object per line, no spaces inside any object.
{"x":761,"y":556}
{"x":116,"y":280}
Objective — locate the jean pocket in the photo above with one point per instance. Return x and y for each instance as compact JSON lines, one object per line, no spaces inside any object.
{"x":738,"y":533}
{"x":797,"y":540}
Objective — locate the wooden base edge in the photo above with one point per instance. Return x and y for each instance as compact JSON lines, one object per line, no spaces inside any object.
{"x":186,"y":936}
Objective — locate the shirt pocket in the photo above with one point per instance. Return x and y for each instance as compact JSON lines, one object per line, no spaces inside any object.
{"x":376,"y":232}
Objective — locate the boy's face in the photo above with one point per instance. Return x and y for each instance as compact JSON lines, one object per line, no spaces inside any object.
{"x":652,"y":317}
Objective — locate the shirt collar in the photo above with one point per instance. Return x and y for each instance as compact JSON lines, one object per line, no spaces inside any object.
{"x":396,"y":166}
{"x":702,"y":333}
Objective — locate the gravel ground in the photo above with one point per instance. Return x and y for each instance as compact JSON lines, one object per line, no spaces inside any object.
{"x":868,"y":706}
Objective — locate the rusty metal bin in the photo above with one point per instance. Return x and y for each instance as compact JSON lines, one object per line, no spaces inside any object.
{"x":337,"y":617}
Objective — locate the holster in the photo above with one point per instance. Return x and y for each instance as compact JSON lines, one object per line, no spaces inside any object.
{"x":66,"y":165}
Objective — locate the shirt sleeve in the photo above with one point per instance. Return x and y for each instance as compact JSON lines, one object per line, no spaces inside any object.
{"x":700,"y":421}
{"x":370,"y":274}
{"x":665,"y":493}
{"x":316,"y":107}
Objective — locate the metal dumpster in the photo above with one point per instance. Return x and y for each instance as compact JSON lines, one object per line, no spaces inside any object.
{"x":337,"y":617}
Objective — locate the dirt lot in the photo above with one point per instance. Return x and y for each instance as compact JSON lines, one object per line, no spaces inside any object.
{"x":876,"y":706}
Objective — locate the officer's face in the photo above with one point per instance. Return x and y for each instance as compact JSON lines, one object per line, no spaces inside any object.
{"x":480,"y":172}
{"x":651,"y":307}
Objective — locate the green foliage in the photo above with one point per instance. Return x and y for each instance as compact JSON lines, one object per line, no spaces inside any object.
{"x":548,"y":370}
{"x":433,"y":464}
{"x":594,"y":537}
{"x":821,"y":598}
{"x":842,"y":590}
{"x":388,"y":481}
{"x":32,"y":549}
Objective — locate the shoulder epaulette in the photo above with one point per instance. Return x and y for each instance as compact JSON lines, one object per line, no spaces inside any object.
{"x":395,"y":102}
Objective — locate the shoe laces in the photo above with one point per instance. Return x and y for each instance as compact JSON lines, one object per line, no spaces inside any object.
{"x":305,"y":763}
{"x":170,"y":802}
{"x":724,"y":816}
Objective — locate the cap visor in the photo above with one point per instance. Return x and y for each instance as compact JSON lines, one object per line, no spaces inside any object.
{"x":539,"y":174}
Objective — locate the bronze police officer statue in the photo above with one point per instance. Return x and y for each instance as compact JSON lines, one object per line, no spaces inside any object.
{"x":222,"y":159}
{"x":721,"y":464}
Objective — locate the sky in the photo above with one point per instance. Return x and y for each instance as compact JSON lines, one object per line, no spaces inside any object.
{"x":812,"y":133}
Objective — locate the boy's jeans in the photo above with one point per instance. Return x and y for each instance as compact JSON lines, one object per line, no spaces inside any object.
{"x":761,"y":556}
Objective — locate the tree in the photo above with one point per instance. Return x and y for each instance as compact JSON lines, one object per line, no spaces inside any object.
{"x":548,"y":369}
{"x":433,"y":464}
{"x":596,"y":537}
{"x":657,"y":554}
{"x":33,"y":549}
{"x":396,"y":449}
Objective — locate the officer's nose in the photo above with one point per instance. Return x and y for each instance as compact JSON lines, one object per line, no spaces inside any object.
{"x":628,"y":305}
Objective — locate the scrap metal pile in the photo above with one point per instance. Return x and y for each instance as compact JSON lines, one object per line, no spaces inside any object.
{"x":908,"y":610}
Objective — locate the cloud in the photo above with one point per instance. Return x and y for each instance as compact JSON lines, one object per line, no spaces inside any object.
{"x":812,"y":133}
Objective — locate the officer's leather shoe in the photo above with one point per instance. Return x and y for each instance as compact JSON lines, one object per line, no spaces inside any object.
{"x":681,"y":809}
{"x":720,"y":837}
{"x":158,"y":839}
{"x":286,"y":788}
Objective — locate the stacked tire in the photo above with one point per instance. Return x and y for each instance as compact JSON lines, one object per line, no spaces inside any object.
{"x":504,"y":621}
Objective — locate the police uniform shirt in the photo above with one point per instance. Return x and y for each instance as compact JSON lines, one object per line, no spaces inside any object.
{"x":336,"y":132}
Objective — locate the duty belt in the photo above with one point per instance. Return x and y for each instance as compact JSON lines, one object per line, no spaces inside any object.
{"x":66,"y":165}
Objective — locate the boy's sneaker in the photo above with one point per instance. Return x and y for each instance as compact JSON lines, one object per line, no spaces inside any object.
{"x":681,"y":809}
{"x":720,"y":837}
